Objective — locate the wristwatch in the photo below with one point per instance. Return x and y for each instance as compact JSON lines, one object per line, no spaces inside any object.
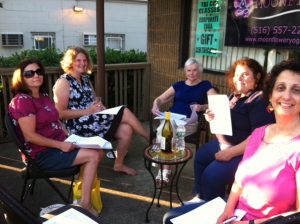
{"x":252,"y":221}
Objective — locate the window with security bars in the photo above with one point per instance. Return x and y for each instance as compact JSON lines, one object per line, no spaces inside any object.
{"x":89,"y":40}
{"x":43,"y":40}
{"x":113,"y":41}
{"x":12,"y":39}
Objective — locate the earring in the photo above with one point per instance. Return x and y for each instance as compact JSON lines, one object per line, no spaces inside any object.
{"x":270,"y":108}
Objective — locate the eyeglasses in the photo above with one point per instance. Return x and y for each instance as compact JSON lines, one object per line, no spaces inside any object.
{"x":30,"y":73}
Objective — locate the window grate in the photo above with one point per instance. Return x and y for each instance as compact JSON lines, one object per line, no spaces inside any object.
{"x":12,"y":39}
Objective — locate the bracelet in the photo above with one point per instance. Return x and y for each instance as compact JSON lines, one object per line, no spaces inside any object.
{"x":252,"y":221}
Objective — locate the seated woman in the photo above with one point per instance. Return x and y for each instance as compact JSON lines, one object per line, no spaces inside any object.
{"x":74,"y":99}
{"x":272,"y":157}
{"x":216,"y":161}
{"x":38,"y":120}
{"x":185,"y":94}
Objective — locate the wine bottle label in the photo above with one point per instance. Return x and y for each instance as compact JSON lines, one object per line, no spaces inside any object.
{"x":163,"y":143}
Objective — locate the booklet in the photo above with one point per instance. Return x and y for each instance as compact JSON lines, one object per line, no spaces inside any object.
{"x":207,"y":213}
{"x":113,"y":110}
{"x":219,"y":105}
{"x":94,"y":142}
{"x":179,"y":119}
{"x":70,"y":216}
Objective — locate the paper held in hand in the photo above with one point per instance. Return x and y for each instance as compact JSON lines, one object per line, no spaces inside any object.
{"x":94,"y":142}
{"x":207,"y":213}
{"x":221,"y":124}
{"x":113,"y":110}
{"x":70,"y":216}
{"x":179,"y":119}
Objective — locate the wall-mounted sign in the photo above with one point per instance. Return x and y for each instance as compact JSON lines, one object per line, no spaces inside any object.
{"x":208,"y":28}
{"x":207,"y":43}
{"x":263,"y":23}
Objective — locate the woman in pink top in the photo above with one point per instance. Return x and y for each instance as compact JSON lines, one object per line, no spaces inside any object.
{"x":267,"y":177}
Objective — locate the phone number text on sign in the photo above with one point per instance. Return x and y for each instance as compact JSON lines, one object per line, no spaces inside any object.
{"x":275,"y":30}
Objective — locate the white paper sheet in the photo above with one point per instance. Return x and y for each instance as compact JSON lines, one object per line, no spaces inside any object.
{"x":71,"y":216}
{"x":113,"y":110}
{"x":178,"y":119}
{"x":94,"y":142}
{"x":207,"y":213}
{"x":221,"y":124}
{"x":174,"y":116}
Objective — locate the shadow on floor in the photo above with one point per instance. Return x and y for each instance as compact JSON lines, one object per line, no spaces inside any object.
{"x":125,"y":199}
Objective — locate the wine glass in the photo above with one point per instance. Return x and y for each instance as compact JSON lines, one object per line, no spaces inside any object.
{"x":98,"y":99}
{"x":155,"y":149}
{"x":175,"y":149}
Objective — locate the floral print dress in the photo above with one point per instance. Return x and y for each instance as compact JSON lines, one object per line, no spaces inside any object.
{"x":81,"y":97}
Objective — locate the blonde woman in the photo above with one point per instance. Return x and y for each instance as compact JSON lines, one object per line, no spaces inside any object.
{"x":74,"y":98}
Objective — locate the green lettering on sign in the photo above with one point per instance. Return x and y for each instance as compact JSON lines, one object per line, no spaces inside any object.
{"x":208,"y":28}
{"x":209,"y":14}
{"x":207,"y":43}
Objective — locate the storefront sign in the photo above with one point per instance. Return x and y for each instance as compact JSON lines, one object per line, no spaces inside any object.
{"x":207,"y":43}
{"x":263,"y":23}
{"x":208,"y":28}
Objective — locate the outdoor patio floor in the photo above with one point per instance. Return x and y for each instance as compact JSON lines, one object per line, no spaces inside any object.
{"x":125,"y":199}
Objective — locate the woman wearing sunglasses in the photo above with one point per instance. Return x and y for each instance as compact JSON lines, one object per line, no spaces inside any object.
{"x":37,"y":118}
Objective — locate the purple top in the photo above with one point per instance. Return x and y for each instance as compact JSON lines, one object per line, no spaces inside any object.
{"x":47,"y":118}
{"x":269,"y":175}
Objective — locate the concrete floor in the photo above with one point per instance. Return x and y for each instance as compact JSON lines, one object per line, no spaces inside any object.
{"x":125,"y":199}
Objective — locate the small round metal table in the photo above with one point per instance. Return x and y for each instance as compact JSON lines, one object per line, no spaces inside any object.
{"x":178,"y":160}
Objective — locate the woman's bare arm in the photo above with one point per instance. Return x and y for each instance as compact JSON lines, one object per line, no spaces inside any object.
{"x":61,"y":91}
{"x":28,"y":126}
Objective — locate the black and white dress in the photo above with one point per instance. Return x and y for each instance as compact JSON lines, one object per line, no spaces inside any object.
{"x":81,"y":97}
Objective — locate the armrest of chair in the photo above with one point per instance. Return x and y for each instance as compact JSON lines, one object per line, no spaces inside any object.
{"x":152,"y":128}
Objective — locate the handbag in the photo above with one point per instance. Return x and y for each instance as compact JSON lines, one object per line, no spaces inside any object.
{"x":95,"y":194}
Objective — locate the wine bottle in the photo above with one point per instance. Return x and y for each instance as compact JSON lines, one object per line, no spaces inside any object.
{"x":167,"y":135}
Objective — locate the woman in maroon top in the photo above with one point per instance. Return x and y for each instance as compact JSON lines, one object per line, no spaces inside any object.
{"x":36,"y":117}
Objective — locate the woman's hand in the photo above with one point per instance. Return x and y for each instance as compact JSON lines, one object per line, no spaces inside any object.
{"x":96,"y":107}
{"x":67,"y":146}
{"x":209,"y":115}
{"x":225,"y":215}
{"x":155,"y":109}
{"x":197,"y":107}
{"x":224,"y":155}
{"x":240,"y":222}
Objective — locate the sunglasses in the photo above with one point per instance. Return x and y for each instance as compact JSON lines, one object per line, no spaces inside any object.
{"x":30,"y":73}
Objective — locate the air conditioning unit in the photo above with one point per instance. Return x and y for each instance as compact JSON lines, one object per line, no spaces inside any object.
{"x":12,"y":39}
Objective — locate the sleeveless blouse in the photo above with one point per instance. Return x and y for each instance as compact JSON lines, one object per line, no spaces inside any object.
{"x":81,"y":97}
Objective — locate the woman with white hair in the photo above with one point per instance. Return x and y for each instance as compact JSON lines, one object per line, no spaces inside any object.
{"x":193,"y":90}
{"x":186,"y":94}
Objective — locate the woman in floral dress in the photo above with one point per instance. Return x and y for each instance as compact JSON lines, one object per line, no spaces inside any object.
{"x":74,"y":98}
